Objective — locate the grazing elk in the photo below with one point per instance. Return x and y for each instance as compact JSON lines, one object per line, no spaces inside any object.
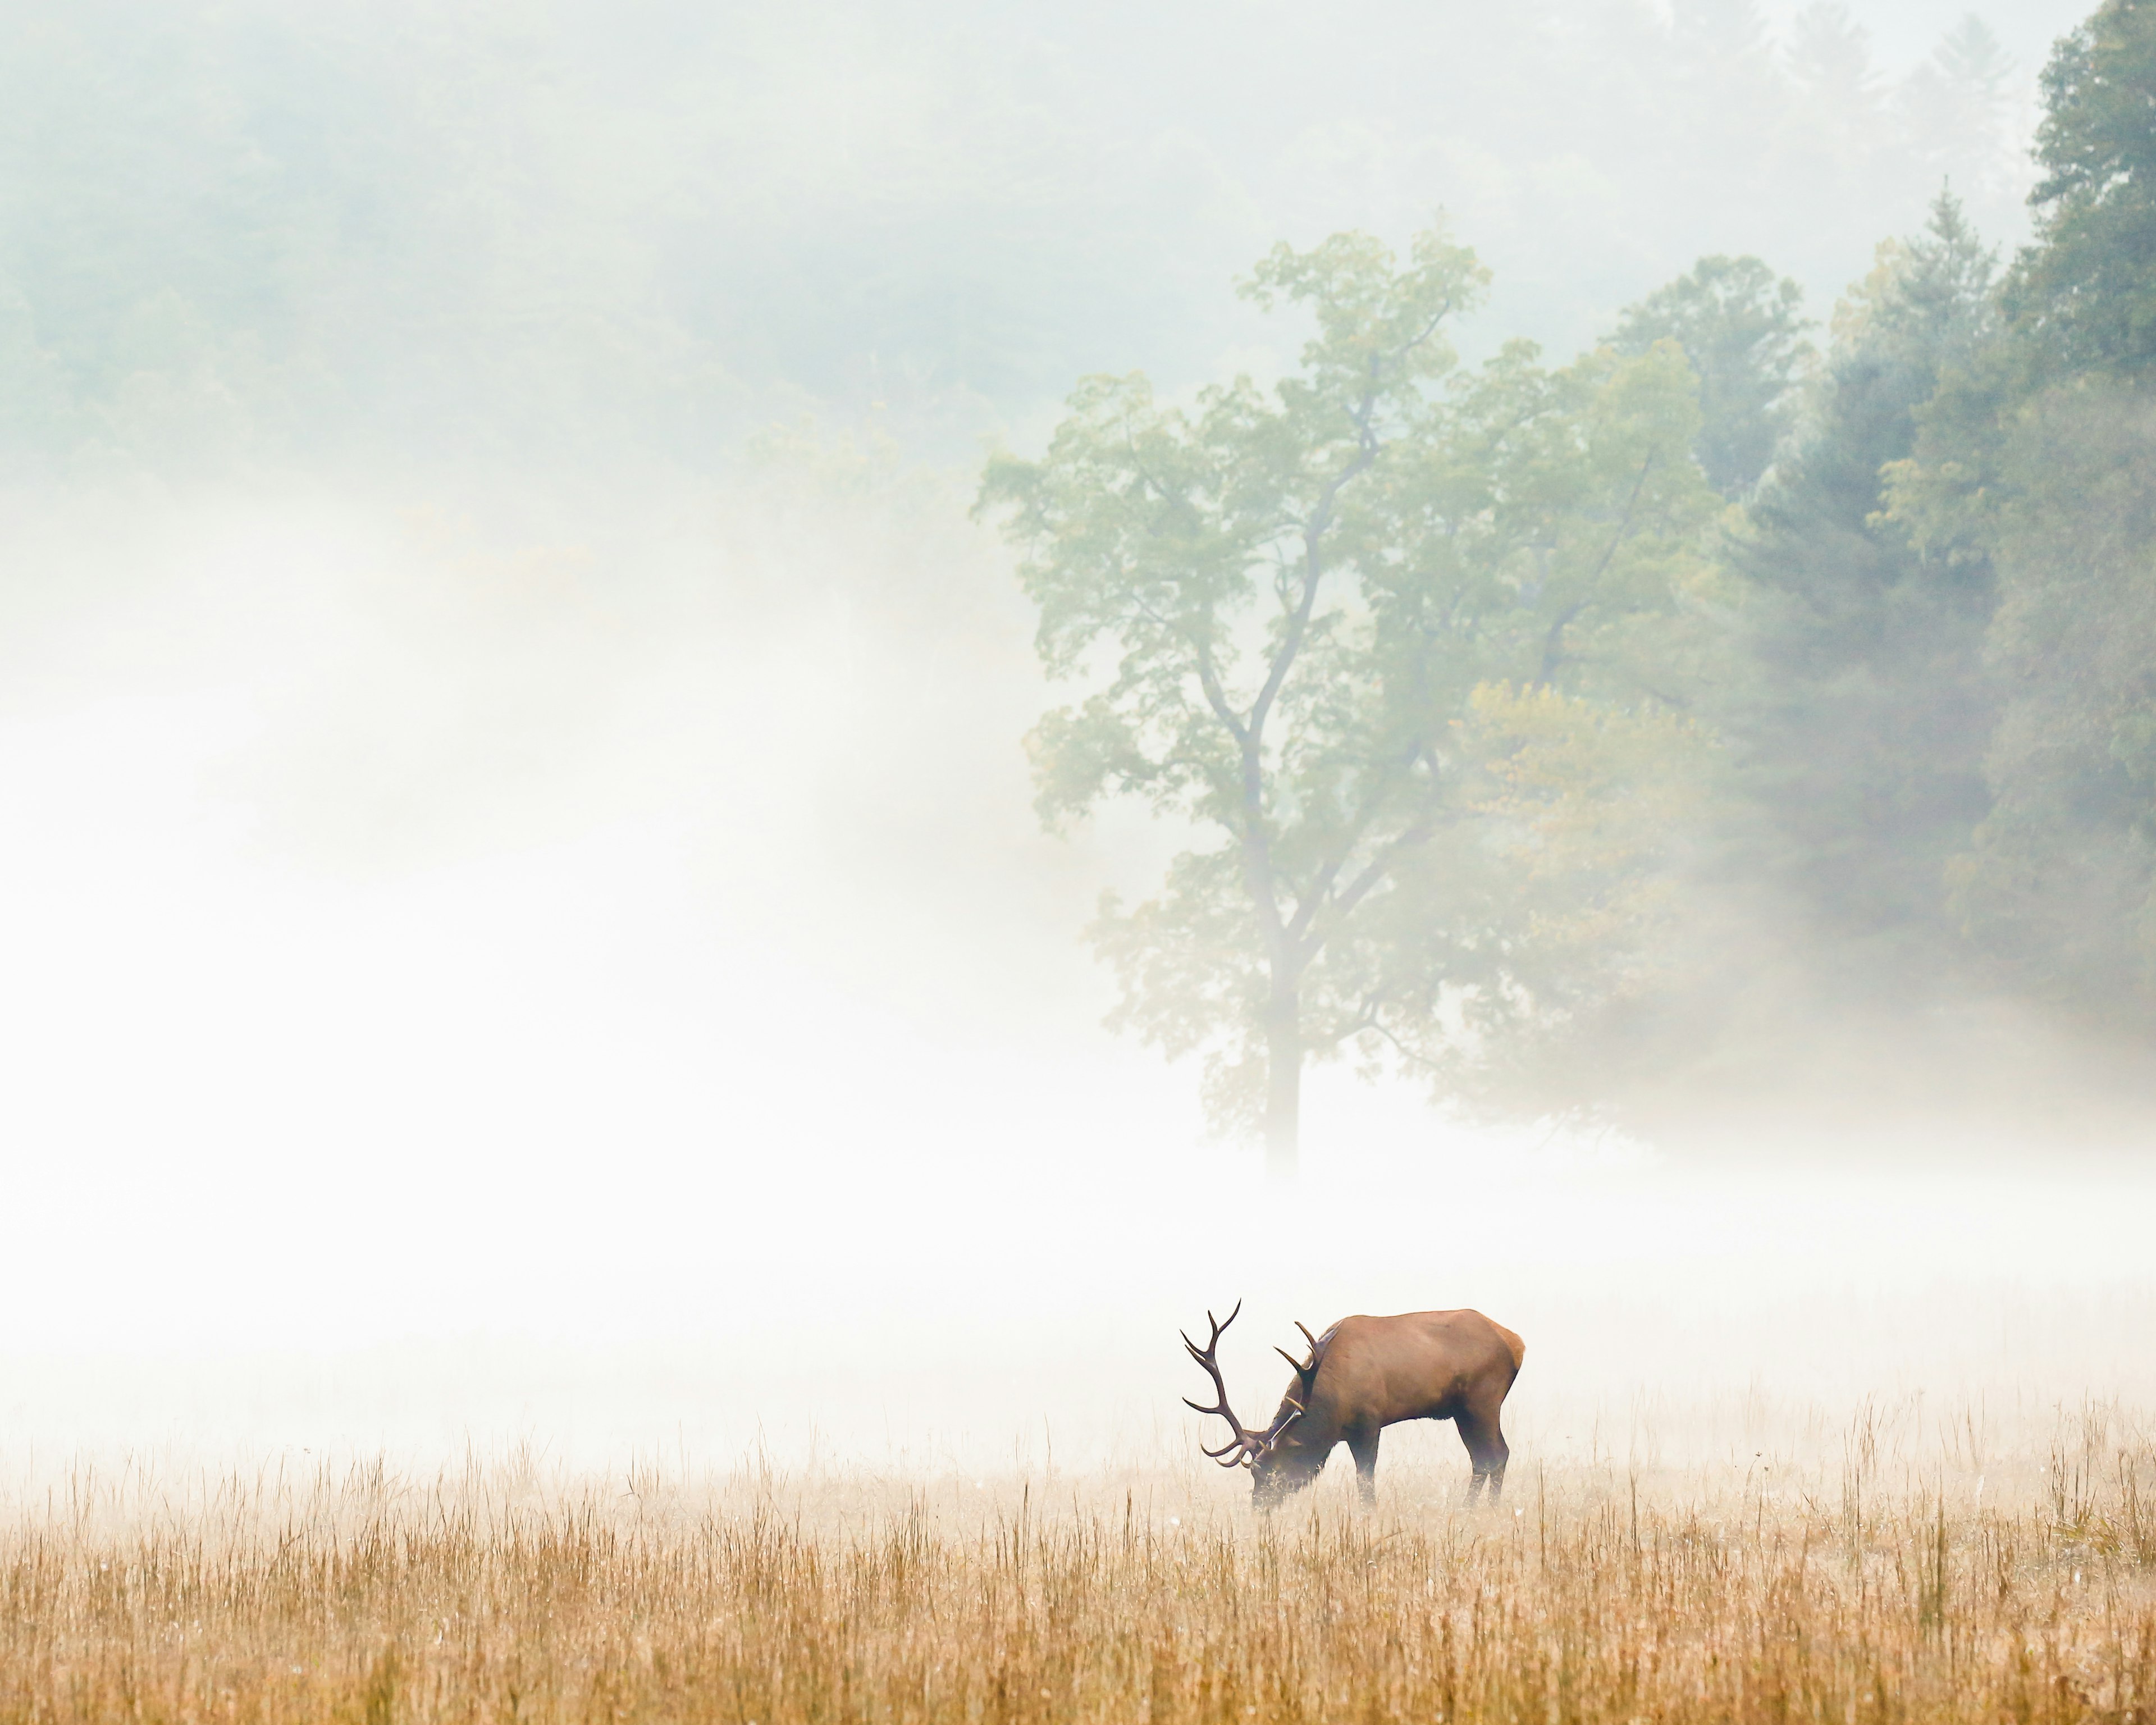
{"x":1364,"y":1374}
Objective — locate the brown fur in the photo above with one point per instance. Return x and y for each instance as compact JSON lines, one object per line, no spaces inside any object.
{"x":1368,"y":1372}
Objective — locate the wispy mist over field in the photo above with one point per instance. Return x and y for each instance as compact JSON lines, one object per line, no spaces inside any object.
{"x":496,"y":998}
{"x":524,"y":916}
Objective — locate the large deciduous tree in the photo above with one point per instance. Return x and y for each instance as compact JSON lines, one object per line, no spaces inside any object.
{"x":1312,"y":615}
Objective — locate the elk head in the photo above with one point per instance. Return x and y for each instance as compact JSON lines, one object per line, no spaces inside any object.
{"x":1274,"y":1470}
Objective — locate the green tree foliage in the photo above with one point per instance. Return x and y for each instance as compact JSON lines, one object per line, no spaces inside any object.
{"x":1290,"y":598}
{"x":1741,"y":331}
{"x":2086,"y":292}
{"x":1591,"y":817}
{"x":2059,"y":882}
{"x":1857,"y":734}
{"x":2038,"y":458}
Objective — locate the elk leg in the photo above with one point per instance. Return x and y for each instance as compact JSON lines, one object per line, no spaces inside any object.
{"x":1487,"y":1449}
{"x":1363,"y":1446}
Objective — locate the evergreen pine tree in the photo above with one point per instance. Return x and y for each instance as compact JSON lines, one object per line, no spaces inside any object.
{"x":1858,"y":739}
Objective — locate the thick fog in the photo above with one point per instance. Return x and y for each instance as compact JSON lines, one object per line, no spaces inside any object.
{"x":524,"y":916}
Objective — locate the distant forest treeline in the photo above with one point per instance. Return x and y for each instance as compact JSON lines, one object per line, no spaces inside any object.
{"x":1938,"y":713}
{"x":238,"y":233}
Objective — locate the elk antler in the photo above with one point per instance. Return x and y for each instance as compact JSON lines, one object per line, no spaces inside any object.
{"x":1306,"y":1372}
{"x":1246,"y":1446}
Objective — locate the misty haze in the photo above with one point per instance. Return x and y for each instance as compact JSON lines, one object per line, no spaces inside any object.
{"x":738,"y":743}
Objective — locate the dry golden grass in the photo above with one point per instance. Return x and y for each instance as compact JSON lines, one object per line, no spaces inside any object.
{"x":1594,"y":1593}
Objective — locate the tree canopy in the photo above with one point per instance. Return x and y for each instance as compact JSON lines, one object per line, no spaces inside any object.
{"x":1487,"y":691}
{"x":1741,"y":329}
{"x":1857,"y":732}
{"x":2086,"y":292}
{"x":1322,"y":622}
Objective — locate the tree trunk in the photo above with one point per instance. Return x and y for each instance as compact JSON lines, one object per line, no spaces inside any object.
{"x":1283,"y":1084}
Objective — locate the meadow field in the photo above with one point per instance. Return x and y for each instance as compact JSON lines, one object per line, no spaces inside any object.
{"x":1890,"y":1563}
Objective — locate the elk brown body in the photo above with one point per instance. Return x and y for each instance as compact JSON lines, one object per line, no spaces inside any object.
{"x":1364,"y":1374}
